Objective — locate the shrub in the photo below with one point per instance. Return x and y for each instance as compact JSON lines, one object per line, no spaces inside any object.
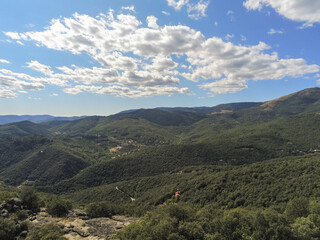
{"x":7,"y":228}
{"x":49,"y":231}
{"x":58,"y":207}
{"x":103,"y":209}
{"x":30,"y":198}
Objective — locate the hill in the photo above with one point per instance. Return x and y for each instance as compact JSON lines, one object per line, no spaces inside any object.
{"x":5,"y":119}
{"x":22,"y":129}
{"x":264,"y":184}
{"x":64,"y":157}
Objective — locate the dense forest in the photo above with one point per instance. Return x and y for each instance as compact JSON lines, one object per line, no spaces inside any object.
{"x":233,"y":171}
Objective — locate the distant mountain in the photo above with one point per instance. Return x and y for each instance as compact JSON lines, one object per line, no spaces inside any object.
{"x":148,"y":142}
{"x":5,"y":119}
{"x":218,"y":108}
{"x":22,"y":129}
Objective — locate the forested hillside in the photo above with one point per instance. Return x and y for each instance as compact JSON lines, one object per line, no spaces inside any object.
{"x":242,"y":155}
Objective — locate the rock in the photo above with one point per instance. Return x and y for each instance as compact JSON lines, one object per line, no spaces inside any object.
{"x":4,"y":213}
{"x":3,"y":205}
{"x":77,"y":213}
{"x":23,"y":234}
{"x":15,"y":202}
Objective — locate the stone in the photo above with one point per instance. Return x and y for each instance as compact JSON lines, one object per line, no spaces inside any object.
{"x":23,"y":234}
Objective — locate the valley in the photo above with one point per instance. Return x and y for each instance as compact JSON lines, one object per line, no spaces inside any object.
{"x":240,"y":158}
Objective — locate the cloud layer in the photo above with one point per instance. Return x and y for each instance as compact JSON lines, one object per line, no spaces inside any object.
{"x":307,"y":11}
{"x":139,"y":59}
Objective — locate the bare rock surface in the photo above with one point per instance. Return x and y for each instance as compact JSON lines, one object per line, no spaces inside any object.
{"x":78,"y":226}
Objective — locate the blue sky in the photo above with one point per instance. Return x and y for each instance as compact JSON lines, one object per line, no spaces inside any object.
{"x":99,"y":57}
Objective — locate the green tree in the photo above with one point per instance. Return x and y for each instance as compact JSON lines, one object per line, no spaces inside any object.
{"x":7,"y":228}
{"x":30,"y":198}
{"x":298,"y":207}
{"x":304,"y":229}
{"x":58,"y":207}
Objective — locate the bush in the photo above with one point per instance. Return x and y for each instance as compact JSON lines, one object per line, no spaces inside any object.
{"x":7,"y":228}
{"x":47,"y":232}
{"x":58,"y":207}
{"x":30,"y":198}
{"x":103,"y":209}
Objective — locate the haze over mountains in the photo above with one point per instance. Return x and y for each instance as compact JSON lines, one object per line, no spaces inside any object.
{"x":5,"y":119}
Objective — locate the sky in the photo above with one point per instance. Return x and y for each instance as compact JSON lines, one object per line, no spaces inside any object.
{"x":100,"y":57}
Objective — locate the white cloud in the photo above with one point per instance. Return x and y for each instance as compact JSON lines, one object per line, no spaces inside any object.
{"x":195,"y":10}
{"x":177,"y":4}
{"x":34,"y":98}
{"x":152,"y":22}
{"x":307,"y":11}
{"x":35,"y":65}
{"x":13,"y":35}
{"x":229,"y":36}
{"x":5,"y":93}
{"x":137,"y":61}
{"x":216,"y":23}
{"x":4,"y":61}
{"x":54,"y":95}
{"x":230,"y":12}
{"x":30,"y":25}
{"x":243,"y":38}
{"x":273,"y":31}
{"x":11,"y":82}
{"x":166,"y":13}
{"x":126,"y":91}
{"x":198,"y":10}
{"x":19,"y":42}
{"x":129,"y":8}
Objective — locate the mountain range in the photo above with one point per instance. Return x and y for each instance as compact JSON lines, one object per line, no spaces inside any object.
{"x":150,"y":153}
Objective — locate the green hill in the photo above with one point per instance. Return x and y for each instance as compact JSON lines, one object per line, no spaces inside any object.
{"x":93,"y":151}
{"x":263,"y":184}
{"x":22,"y":129}
{"x":46,"y":166}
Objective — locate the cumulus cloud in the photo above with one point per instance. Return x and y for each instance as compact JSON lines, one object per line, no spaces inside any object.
{"x":4,"y":61}
{"x":35,"y":65}
{"x":307,"y":11}
{"x":198,"y":10}
{"x":152,"y":22}
{"x":177,"y":4}
{"x":138,"y":61}
{"x":5,"y":93}
{"x":195,"y":10}
{"x":10,"y":82}
{"x":273,"y":31}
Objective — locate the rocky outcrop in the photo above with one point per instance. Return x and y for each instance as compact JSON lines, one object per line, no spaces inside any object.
{"x":78,"y":226}
{"x":11,"y":206}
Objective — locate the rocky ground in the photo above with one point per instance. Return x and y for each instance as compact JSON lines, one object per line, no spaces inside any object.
{"x":76,"y":225}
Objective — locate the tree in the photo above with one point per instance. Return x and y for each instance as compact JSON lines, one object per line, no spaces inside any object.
{"x":58,"y":207}
{"x":7,"y":228}
{"x":298,"y":207}
{"x":30,"y":198}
